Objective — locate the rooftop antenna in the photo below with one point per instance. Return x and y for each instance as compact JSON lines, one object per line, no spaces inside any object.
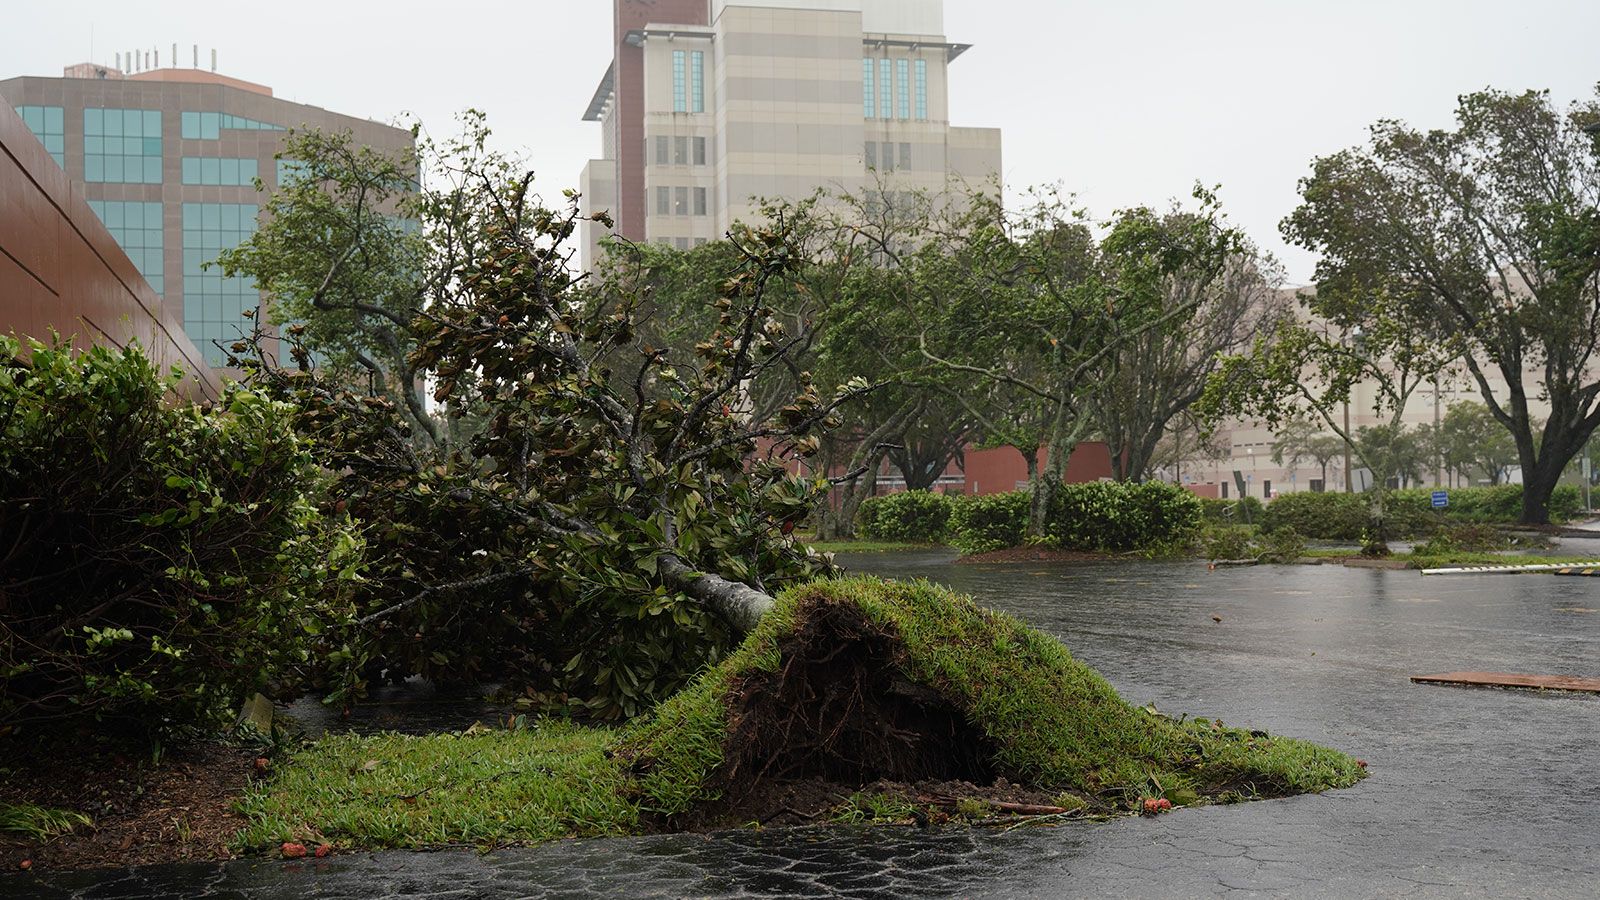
{"x":158,"y":57}
{"x":119,"y":59}
{"x":174,"y":56}
{"x":197,"y":56}
{"x":213,"y":59}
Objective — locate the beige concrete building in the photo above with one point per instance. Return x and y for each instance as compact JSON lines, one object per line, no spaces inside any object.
{"x":169,"y":159}
{"x":1249,"y":445}
{"x":709,"y":104}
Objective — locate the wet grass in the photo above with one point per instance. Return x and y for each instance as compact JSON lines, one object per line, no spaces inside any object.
{"x":39,"y":822}
{"x":548,"y":781}
{"x":1052,"y":722}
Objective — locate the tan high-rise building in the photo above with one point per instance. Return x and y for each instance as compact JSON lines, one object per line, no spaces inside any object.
{"x":709,"y":104}
{"x":169,"y":158}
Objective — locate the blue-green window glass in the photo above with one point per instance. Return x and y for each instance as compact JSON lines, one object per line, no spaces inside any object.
{"x":902,"y":88}
{"x":220,"y":170}
{"x":868,"y":104}
{"x":290,"y":170}
{"x":214,"y":305}
{"x":680,"y":102}
{"x":922,"y":89}
{"x":208,"y":126}
{"x":137,"y":227}
{"x":48,"y":124}
{"x":885,"y":81}
{"x":697,"y":80}
{"x":122,"y":146}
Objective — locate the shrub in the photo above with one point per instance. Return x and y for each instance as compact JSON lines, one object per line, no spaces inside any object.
{"x":989,"y":522}
{"x":1226,"y":541}
{"x":917,"y":516}
{"x":1243,"y":511}
{"x":1471,"y":538}
{"x":1409,"y":513}
{"x":1330,"y":516}
{"x":1282,"y":546}
{"x":161,"y":559}
{"x":1117,"y":516}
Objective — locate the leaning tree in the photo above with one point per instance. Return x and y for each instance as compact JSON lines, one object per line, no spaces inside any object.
{"x":1491,"y":231}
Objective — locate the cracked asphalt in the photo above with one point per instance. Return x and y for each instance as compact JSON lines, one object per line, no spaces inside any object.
{"x":1473,"y":793}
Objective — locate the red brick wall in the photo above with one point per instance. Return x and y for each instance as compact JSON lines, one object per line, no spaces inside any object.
{"x":1000,"y":469}
{"x":61,"y":269}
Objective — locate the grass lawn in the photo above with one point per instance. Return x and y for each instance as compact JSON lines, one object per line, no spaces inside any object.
{"x":850,"y":682}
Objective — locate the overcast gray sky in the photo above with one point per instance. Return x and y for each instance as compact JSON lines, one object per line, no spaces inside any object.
{"x":1123,"y":102}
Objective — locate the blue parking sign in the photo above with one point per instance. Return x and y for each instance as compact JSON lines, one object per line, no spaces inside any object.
{"x":1441,"y":499}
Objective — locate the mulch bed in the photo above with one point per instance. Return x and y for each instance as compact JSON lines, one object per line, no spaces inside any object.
{"x":178,"y":809}
{"x":1033,"y":554}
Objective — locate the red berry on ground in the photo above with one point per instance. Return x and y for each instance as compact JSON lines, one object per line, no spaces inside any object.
{"x":323,"y":850}
{"x":292,"y":850}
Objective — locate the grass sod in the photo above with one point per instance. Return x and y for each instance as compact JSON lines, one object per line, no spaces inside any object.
{"x":950,"y":691}
{"x":481,"y":786}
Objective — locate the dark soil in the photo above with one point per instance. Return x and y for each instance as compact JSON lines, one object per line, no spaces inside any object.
{"x":1033,"y":554}
{"x":180,"y":808}
{"x":839,"y":719}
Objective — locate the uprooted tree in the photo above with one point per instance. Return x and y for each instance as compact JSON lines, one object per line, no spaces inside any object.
{"x":622,"y":512}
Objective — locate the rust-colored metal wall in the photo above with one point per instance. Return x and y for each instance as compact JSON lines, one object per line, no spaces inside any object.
{"x":61,"y":269}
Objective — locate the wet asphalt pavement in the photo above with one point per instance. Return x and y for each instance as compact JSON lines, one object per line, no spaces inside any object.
{"x":1472,"y":792}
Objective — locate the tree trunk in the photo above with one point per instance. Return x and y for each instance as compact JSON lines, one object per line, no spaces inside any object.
{"x":736,"y":603}
{"x":1536,"y":488}
{"x":840,"y":524}
{"x":1038,"y":503}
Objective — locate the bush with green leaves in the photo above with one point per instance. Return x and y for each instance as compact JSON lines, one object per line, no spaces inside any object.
{"x":1243,"y":511}
{"x":1467,"y":538}
{"x":1329,"y":516}
{"x":1227,"y":541}
{"x":1113,"y":516}
{"x":162,"y":561}
{"x":1499,"y":504}
{"x":921,"y":517}
{"x":1408,"y":513}
{"x":988,"y":522}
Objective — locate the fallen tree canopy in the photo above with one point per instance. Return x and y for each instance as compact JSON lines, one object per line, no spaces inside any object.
{"x":845,"y":683}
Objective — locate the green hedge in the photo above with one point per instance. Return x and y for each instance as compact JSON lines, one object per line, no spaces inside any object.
{"x":1409,"y":513}
{"x":1101,"y":516}
{"x":165,"y":561}
{"x":979,"y":524}
{"x":1117,"y":516}
{"x":1491,"y":505}
{"x":914,"y":516}
{"x":1245,"y":511}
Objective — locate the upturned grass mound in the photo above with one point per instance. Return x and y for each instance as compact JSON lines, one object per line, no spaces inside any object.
{"x":847,"y":682}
